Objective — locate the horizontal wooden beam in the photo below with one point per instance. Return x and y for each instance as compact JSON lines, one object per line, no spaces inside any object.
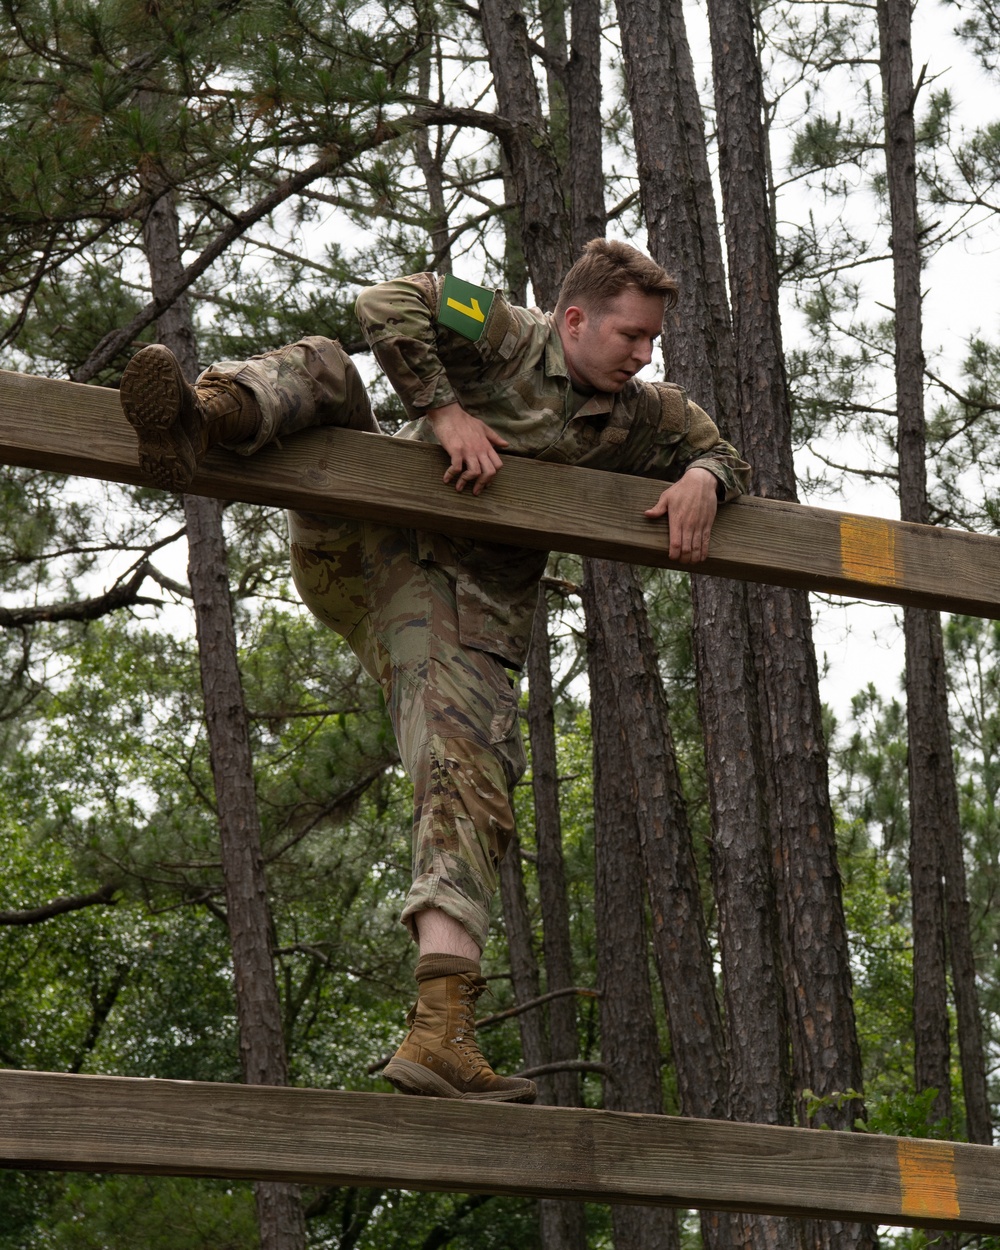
{"x":68,"y":428}
{"x":319,"y":1137}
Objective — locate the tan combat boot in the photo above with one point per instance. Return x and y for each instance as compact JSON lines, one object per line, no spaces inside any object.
{"x":177,"y":423}
{"x":440,"y":1056}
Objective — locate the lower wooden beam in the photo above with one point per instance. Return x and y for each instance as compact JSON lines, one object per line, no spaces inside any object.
{"x":47,"y":424}
{"x":318,"y":1137}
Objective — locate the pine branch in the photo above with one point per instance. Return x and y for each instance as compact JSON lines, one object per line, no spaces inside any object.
{"x":114,"y":342}
{"x":60,"y":906}
{"x":125,"y":594}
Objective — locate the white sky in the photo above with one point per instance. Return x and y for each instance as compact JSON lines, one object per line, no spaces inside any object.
{"x":859,"y":643}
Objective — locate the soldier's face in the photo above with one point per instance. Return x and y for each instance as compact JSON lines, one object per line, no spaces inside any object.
{"x":604,"y":350}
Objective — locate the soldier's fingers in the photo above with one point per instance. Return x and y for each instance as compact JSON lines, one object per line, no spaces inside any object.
{"x":660,"y":507}
{"x":487,"y":472}
{"x":470,"y":474}
{"x":458,"y":468}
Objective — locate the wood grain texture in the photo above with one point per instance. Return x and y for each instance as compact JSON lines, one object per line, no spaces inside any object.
{"x":186,"y":1128}
{"x":67,"y":428}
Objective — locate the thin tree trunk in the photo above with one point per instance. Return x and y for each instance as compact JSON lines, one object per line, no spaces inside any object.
{"x":825,"y":1052}
{"x":431,"y":166}
{"x":680,"y":940}
{"x":524,"y":966}
{"x":563,"y":1223}
{"x":535,"y":177}
{"x":635,"y":1080}
{"x":937,"y":870}
{"x":552,"y":16}
{"x":557,"y":943}
{"x":585,"y":174}
{"x":262,"y":1043}
{"x":678,"y":203}
{"x":630,"y":1046}
{"x":532,"y":180}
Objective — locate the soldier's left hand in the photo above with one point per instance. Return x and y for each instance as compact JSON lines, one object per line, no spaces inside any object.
{"x":690,"y":506}
{"x":470,"y":444}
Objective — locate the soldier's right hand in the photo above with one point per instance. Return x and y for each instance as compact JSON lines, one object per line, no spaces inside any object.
{"x":470,"y":444}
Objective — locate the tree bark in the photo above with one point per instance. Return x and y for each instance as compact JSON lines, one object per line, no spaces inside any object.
{"x":585,"y":174}
{"x":524,"y":966}
{"x":680,"y":940}
{"x":937,"y":869}
{"x":630,"y":1046}
{"x":826,"y":1056}
{"x":432,"y":166}
{"x":557,"y":943}
{"x":678,"y":205}
{"x":535,"y":174}
{"x":262,"y":1042}
{"x":635,"y":1081}
{"x":563,"y":1223}
{"x":532,"y":174}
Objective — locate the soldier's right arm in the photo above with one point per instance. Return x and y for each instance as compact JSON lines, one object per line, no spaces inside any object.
{"x":398,"y":318}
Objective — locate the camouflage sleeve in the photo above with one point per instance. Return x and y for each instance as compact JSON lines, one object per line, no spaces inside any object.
{"x":673,"y":435}
{"x":703,"y":447}
{"x":398,"y":320}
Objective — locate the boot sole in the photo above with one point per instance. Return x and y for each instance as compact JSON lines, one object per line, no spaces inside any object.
{"x":412,"y":1078}
{"x":153,"y":397}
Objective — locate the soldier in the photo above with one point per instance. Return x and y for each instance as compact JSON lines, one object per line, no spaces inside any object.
{"x":440,"y":622}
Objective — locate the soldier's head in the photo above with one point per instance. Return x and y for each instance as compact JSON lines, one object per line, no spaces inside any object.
{"x":609,"y":313}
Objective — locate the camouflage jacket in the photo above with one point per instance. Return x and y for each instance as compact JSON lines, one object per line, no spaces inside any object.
{"x":515,"y":378}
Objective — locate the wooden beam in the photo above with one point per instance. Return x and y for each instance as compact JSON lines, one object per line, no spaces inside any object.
{"x":319,"y":1137}
{"x":76,"y":429}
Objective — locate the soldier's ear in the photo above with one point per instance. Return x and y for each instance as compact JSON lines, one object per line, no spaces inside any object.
{"x":574,"y":318}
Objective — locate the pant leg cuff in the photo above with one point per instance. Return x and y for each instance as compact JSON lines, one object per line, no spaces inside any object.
{"x":430,"y":890}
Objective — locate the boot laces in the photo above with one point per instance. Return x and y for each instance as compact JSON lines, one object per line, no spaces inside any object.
{"x":465,"y":1034}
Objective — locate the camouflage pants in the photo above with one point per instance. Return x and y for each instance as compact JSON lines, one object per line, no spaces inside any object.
{"x":453,"y":708}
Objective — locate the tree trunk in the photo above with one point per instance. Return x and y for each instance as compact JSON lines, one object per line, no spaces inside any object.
{"x":557,"y":943}
{"x":825,"y":1052}
{"x":432,"y":167}
{"x":535,"y":178}
{"x":262,"y":1043}
{"x":563,"y":1223}
{"x":678,"y":204}
{"x":680,"y":940}
{"x":524,"y":966}
{"x":630,"y":1046}
{"x":585,"y":174}
{"x":534,"y":173}
{"x":937,"y":869}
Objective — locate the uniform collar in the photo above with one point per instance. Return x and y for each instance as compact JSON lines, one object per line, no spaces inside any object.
{"x":600,"y":403}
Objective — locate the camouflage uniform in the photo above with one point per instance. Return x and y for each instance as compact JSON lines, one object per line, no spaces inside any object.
{"x":438,"y":620}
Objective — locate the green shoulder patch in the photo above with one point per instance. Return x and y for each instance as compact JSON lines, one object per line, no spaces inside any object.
{"x":464,"y":307}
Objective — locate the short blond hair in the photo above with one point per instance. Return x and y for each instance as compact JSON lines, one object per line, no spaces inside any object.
{"x":604,"y":270}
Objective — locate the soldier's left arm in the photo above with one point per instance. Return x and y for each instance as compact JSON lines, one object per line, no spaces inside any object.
{"x":708,"y":472}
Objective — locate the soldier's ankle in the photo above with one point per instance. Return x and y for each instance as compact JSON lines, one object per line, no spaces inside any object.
{"x":431,"y":966}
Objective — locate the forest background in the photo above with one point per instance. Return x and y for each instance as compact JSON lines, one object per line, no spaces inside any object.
{"x":807,"y":938}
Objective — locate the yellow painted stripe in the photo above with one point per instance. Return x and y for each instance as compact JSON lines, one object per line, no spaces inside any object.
{"x":868,"y":550}
{"x":927,"y":1179}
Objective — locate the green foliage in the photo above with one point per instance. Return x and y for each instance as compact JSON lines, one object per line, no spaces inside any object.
{"x":104,"y":775}
{"x":157,"y":1213}
{"x":904,"y":1113}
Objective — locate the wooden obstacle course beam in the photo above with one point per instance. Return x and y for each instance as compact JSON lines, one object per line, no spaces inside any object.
{"x":319,"y":1137}
{"x":67,"y":428}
